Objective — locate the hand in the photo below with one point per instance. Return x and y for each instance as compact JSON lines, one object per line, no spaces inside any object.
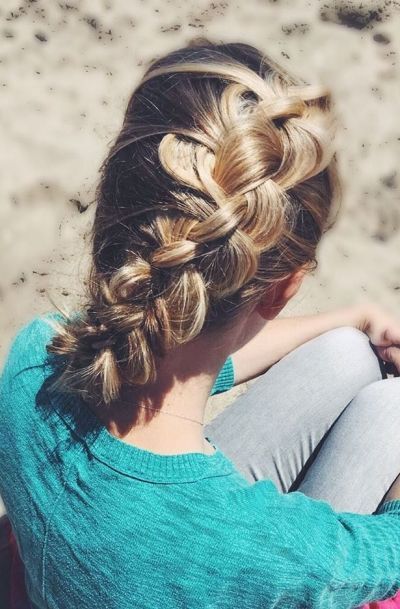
{"x":384,"y":333}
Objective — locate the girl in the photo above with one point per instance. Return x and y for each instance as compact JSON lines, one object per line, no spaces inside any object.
{"x":210,"y":207}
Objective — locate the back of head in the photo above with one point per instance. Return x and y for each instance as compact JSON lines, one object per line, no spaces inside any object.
{"x":220,"y":183}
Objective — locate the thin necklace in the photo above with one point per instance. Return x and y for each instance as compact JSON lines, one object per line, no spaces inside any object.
{"x":173,"y":415}
{"x":205,"y":443}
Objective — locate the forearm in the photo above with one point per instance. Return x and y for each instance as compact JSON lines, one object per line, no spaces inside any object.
{"x":278,"y":337}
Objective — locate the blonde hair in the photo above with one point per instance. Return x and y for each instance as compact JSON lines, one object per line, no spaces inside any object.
{"x":219,"y":184}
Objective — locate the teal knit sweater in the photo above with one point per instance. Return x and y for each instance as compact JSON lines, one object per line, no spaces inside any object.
{"x":103,"y":524}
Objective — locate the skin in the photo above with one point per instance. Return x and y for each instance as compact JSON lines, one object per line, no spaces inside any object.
{"x":394,"y":490}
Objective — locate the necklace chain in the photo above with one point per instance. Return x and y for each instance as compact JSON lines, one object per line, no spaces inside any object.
{"x":181,"y":417}
{"x":173,"y":415}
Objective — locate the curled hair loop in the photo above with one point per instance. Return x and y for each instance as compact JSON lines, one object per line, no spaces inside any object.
{"x":283,"y":108}
{"x":132,"y":281}
{"x":175,"y":253}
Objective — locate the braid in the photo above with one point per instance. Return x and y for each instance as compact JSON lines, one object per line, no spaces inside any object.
{"x":219,"y":184}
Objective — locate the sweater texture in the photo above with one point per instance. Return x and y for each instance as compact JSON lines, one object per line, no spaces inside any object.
{"x":102,"y":523}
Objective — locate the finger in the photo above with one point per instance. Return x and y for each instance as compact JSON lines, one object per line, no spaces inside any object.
{"x":391,"y":355}
{"x":385,"y":336}
{"x":393,"y":335}
{"x":379,"y":336}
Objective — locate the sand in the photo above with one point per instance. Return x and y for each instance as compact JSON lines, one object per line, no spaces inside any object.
{"x":67,"y":69}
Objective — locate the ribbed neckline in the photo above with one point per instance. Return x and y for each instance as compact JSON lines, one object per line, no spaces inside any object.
{"x":132,"y":460}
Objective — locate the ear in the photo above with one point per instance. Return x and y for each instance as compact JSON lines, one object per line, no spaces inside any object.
{"x":278,"y":296}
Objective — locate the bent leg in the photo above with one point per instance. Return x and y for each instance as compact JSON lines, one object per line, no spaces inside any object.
{"x":272,"y":430}
{"x":360,"y":457}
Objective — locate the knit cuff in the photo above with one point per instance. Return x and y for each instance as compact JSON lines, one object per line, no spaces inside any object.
{"x":389,"y":507}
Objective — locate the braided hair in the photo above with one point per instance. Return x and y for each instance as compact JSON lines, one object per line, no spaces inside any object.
{"x":219,"y":184}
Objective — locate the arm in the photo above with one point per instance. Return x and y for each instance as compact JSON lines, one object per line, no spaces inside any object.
{"x":366,"y":564}
{"x":345,"y":559}
{"x":273,"y":339}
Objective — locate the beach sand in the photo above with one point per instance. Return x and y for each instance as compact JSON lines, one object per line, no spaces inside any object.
{"x":67,"y":70}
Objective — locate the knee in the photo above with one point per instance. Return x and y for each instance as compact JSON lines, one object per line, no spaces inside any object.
{"x":383,"y":395}
{"x":348,"y":353}
{"x":376,"y":412}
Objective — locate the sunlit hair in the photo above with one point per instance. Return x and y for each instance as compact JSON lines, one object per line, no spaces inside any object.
{"x":219,"y":184}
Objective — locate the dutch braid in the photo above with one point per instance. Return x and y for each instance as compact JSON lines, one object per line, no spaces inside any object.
{"x":219,"y":184}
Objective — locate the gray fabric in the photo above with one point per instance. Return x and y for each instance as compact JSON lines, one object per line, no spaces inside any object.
{"x":322,"y":421}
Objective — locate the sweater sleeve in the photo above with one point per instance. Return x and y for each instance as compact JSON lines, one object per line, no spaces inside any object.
{"x":225,"y":379}
{"x":352,"y":558}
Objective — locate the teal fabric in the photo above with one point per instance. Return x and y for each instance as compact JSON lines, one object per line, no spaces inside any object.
{"x":101,"y":523}
{"x":225,"y":379}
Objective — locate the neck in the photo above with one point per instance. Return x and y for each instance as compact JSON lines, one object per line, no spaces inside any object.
{"x":150,"y":424}
{"x":185,"y":378}
{"x":143,"y":416}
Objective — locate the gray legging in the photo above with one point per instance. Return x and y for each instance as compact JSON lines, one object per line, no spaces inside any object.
{"x":322,"y":420}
